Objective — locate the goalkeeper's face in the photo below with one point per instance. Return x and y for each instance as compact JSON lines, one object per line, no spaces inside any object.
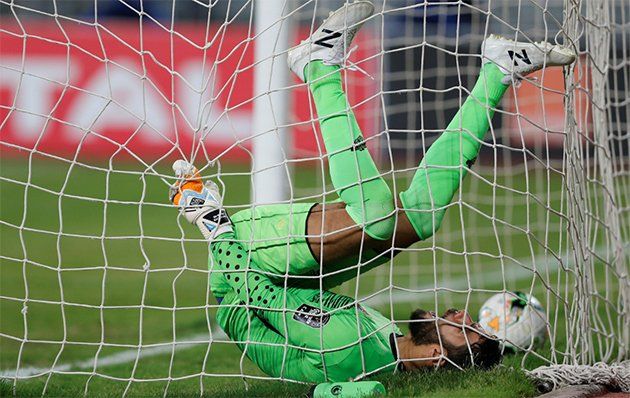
{"x":463,"y":341}
{"x":457,"y":328}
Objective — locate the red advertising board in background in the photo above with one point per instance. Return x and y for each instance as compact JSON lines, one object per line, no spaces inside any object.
{"x":119,"y":90}
{"x":539,"y":103}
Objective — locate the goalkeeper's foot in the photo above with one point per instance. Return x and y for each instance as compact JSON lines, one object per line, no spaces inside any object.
{"x":518,"y":59}
{"x":201,"y":203}
{"x":330,"y":43}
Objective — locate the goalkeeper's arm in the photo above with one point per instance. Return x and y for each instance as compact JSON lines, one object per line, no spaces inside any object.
{"x":202,"y":205}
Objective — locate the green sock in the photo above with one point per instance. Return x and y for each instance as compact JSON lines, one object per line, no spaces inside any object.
{"x":446,"y":162}
{"x":354,"y":175}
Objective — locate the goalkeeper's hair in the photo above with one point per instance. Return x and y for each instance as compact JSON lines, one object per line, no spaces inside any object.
{"x":485,"y":353}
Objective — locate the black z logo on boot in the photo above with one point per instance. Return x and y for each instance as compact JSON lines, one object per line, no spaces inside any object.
{"x":332,"y":36}
{"x":523,"y":57}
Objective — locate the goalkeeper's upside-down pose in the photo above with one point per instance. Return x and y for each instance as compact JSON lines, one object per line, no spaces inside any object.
{"x":294,"y":328}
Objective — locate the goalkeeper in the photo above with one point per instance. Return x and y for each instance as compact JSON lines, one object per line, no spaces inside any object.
{"x":273,"y":265}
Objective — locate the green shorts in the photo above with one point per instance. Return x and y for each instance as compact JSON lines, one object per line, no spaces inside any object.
{"x":276,"y":236}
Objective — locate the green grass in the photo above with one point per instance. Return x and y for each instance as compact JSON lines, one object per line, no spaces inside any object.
{"x":501,"y":382}
{"x":129,"y":275}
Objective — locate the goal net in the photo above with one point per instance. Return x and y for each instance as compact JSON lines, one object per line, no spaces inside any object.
{"x":103,"y":286}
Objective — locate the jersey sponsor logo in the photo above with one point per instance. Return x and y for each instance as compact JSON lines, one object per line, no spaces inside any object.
{"x":311,"y":316}
{"x":524,"y":57}
{"x":358,"y":144}
{"x":332,"y":36}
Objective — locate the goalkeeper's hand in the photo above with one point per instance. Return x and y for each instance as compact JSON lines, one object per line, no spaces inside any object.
{"x":201,"y":203}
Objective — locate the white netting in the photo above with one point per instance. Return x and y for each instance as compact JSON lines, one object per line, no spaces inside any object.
{"x":615,"y":376}
{"x":102,"y":283}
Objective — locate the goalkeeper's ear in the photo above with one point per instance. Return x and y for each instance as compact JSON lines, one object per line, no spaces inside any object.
{"x":425,"y":355}
{"x":436,"y":353}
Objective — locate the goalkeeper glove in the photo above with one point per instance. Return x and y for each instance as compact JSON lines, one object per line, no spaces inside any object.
{"x":201,"y":203}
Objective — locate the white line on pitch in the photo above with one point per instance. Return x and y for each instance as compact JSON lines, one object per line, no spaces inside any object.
{"x":121,"y":357}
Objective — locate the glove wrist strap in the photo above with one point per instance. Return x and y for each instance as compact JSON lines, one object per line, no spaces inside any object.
{"x":214,"y":223}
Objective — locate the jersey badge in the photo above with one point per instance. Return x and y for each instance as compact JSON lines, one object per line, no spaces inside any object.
{"x":311,"y":316}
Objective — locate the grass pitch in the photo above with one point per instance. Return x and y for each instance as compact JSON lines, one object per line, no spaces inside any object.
{"x":83,"y":278}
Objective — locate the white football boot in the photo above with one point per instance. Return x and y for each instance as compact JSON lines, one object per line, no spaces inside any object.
{"x":330,"y":43}
{"x":518,"y":59}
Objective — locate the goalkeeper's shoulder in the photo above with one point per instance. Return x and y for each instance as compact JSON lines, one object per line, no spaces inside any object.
{"x":244,"y":215}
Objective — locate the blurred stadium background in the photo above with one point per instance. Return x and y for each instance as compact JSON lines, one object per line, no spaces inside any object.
{"x":103,"y":287}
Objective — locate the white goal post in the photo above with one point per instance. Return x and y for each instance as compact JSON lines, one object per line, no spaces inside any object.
{"x":100,"y":280}
{"x":270,"y":170}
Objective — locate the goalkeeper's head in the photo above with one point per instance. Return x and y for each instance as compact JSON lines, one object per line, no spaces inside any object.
{"x":462,"y":342}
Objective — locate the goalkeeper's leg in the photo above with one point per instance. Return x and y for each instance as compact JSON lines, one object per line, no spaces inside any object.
{"x":317,"y":60}
{"x":438,"y":177}
{"x":447,"y":162}
{"x":423,"y":204}
{"x":448,"y":159}
{"x":367,"y":197}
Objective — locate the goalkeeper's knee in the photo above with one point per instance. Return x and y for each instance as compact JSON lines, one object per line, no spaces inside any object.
{"x":375,"y":214}
{"x":425,"y":217}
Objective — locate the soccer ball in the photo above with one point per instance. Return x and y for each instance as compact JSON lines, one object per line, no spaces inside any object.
{"x":516,"y":318}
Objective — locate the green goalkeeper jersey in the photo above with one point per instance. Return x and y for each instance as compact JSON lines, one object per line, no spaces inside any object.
{"x":298,"y":333}
{"x":275,"y":238}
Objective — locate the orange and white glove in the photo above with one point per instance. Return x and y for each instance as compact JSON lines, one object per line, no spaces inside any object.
{"x":200,"y":203}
